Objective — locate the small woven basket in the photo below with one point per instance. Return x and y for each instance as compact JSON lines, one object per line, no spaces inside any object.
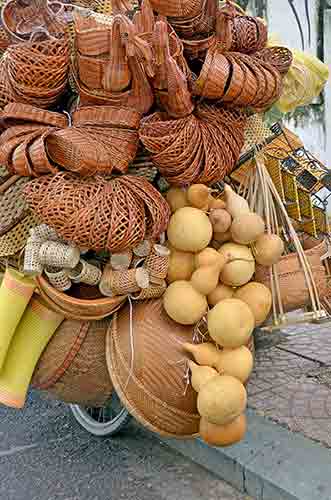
{"x":58,"y":278}
{"x":78,"y":308}
{"x":73,"y":366}
{"x":293,"y":287}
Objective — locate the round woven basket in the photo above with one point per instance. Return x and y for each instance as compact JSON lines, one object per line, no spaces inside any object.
{"x":73,"y":366}
{"x":152,"y":383}
{"x":78,"y":308}
{"x":293,"y":287}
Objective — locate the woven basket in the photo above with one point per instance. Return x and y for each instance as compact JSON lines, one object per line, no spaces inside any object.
{"x":175,"y":8}
{"x":37,"y":72}
{"x":99,"y":214}
{"x":78,"y":308}
{"x":154,"y":391}
{"x":202,"y":147}
{"x":20,"y":19}
{"x":279,"y":57}
{"x":292,"y":283}
{"x":73,"y":366}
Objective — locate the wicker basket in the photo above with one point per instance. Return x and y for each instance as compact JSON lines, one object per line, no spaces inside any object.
{"x":78,"y":308}
{"x":292,"y":283}
{"x":73,"y":366}
{"x":154,"y":391}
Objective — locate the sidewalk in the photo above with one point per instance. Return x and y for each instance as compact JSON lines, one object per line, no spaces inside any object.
{"x":286,"y":453}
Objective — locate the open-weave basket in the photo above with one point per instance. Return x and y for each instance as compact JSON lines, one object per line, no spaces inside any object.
{"x":202,"y":147}
{"x":99,"y":214}
{"x":238,"y":79}
{"x":100,"y":140}
{"x":36,"y":72}
{"x":152,"y":384}
{"x":293,"y":287}
{"x":238,"y":32}
{"x":73,"y":366}
{"x":21,"y":19}
{"x":78,"y":308}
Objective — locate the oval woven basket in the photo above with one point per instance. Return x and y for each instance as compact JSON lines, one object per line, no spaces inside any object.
{"x":293,"y":288}
{"x":78,"y":308}
{"x":73,"y":366}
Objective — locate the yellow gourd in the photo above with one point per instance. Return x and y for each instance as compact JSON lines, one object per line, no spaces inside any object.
{"x":183,"y":303}
{"x":205,"y":279}
{"x":223,"y":435}
{"x":236,"y":362}
{"x":181,"y":266}
{"x":198,"y":196}
{"x":220,"y":220}
{"x":200,"y":375}
{"x":221,"y":292}
{"x":246,"y":228}
{"x":189,"y":230}
{"x":240,"y":266}
{"x":230,"y":323}
{"x":205,"y":354}
{"x":268,"y":249}
{"x":222,"y":399}
{"x":259,"y":299}
{"x":177,"y":198}
{"x":215,"y":203}
{"x":236,"y":205}
{"x":208,"y":257}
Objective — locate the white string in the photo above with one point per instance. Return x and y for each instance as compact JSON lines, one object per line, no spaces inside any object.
{"x":131,"y":341}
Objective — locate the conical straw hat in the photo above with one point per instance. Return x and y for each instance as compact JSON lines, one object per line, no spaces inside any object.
{"x":152,"y":383}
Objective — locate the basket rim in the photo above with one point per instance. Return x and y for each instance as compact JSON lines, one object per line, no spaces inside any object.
{"x":54,"y":294}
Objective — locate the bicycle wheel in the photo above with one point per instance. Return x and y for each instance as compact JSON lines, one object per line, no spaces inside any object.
{"x":105,"y":421}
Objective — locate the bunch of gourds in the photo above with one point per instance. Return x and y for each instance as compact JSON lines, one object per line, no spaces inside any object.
{"x":214,"y":246}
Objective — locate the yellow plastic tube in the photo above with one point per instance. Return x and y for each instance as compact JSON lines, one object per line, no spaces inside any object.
{"x":31,"y":337}
{"x":15,"y":294}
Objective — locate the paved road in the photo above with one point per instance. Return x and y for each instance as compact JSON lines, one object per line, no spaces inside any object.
{"x":45,"y":455}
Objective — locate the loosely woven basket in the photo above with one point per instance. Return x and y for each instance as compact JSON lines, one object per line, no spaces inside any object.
{"x":73,"y":366}
{"x":238,"y":79}
{"x":37,"y":72}
{"x":99,"y":214}
{"x":200,"y":148}
{"x":293,"y":287}
{"x":154,"y":388}
{"x":279,"y":57}
{"x":78,"y":308}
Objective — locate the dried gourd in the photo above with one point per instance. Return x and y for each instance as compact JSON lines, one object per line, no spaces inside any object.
{"x":223,"y":435}
{"x":230,"y":323}
{"x":189,"y":230}
{"x":259,"y":299}
{"x":222,"y":399}
{"x":246,"y":228}
{"x":183,"y":303}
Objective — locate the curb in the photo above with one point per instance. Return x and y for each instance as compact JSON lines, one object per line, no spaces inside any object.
{"x":272,"y":463}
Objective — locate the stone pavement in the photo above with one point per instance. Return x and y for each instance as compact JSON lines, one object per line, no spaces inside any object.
{"x":45,"y":455}
{"x":291,"y":383}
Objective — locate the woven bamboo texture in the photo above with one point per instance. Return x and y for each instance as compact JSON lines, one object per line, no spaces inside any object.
{"x":100,"y":140}
{"x":77,"y":308}
{"x":99,"y":214}
{"x":22,"y":19}
{"x":121,"y":80}
{"x":36,"y":73}
{"x":202,"y":147}
{"x":175,"y":8}
{"x":238,"y":80}
{"x":293,"y":287}
{"x":238,"y":32}
{"x":73,"y":366}
{"x":151,"y":385}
